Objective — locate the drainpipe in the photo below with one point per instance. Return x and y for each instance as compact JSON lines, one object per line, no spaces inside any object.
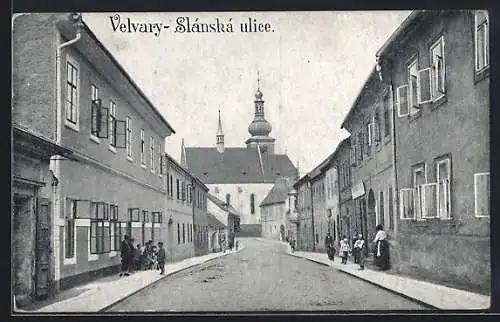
{"x":55,"y":162}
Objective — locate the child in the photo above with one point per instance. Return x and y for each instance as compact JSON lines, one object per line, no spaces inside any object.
{"x":344,"y":249}
{"x":360,"y":246}
{"x":154,"y":258}
{"x":161,"y":257}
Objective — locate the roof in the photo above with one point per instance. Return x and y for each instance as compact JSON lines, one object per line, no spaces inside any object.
{"x":213,"y":221}
{"x":237,"y":165}
{"x":402,"y":28}
{"x":223,"y":205}
{"x":186,"y":171}
{"x":279,"y":192}
{"x":43,"y":145}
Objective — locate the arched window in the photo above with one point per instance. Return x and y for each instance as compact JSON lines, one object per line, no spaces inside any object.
{"x":228,"y":198}
{"x":252,"y":203}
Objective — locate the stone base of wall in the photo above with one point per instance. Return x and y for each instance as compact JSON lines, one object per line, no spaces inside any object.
{"x":457,"y":261}
{"x":82,"y":278}
{"x":249,"y":230}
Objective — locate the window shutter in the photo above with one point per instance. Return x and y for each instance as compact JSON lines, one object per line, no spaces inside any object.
{"x":425,"y":79}
{"x":413,"y":90}
{"x":407,"y":203}
{"x":119,"y":136}
{"x":402,"y":100}
{"x":376,"y":131}
{"x":103,"y":122}
{"x":94,"y":119}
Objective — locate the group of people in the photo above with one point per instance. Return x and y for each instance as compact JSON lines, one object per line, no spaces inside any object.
{"x":358,"y":250}
{"x":145,"y":257}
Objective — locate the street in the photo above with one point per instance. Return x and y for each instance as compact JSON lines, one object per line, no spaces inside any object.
{"x":262,"y":277}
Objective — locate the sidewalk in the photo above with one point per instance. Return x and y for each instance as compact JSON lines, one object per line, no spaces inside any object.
{"x":434,"y":295}
{"x":101,"y":294}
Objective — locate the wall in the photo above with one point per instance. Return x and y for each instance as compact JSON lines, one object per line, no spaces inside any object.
{"x":273,"y":217}
{"x":457,"y":126}
{"x":319,"y":212}
{"x":240,"y":198}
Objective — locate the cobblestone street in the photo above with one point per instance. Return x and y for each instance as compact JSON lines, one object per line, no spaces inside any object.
{"x":262,"y":277}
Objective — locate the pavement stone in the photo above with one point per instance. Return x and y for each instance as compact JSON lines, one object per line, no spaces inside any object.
{"x":103,"y":293}
{"x":434,"y":295}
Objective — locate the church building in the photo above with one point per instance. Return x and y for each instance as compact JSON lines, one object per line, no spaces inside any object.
{"x":242,"y":176}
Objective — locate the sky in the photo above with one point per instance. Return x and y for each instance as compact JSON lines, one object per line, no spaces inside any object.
{"x":312,"y":66}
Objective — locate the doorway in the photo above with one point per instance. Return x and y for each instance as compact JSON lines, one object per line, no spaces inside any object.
{"x":371,"y":216}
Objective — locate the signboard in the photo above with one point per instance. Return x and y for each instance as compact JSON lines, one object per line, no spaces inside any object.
{"x":358,"y":190}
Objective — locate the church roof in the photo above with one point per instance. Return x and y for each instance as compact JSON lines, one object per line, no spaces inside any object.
{"x":279,"y":192}
{"x":237,"y":165}
{"x":213,"y":221}
{"x":223,"y":205}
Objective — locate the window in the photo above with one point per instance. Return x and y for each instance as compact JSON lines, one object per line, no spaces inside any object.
{"x":402,"y":100}
{"x":407,"y":203}
{"x":360,"y":146}
{"x":183,"y":191}
{"x":391,"y":210}
{"x":376,"y":127}
{"x":443,"y":179}
{"x":134,"y":214}
{"x":413,"y":87}
{"x":116,"y":235}
{"x":99,"y":210}
{"x":69,"y":233}
{"x":171,"y":187}
{"x":353,"y":154}
{"x":369,"y":131}
{"x":419,"y":178}
{"x":99,"y":237}
{"x":152,"y":153}
{"x":482,"y":39}
{"x":94,"y":97}
{"x":381,"y":209}
{"x":429,"y":200}
{"x":228,"y":199}
{"x":145,"y":216}
{"x":112,"y":124}
{"x":183,"y":234}
{"x":71,"y":92}
{"x":160,"y":161}
{"x":482,"y":194}
{"x":178,"y":233}
{"x":387,"y":120}
{"x":143,"y":159}
{"x":437,"y":69}
{"x":252,"y":203}
{"x":128,"y":125}
{"x":178,"y":189}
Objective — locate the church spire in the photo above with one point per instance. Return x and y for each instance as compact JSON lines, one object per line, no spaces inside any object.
{"x":219,"y":136}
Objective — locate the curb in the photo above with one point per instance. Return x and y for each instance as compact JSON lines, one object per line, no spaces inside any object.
{"x":107,"y":307}
{"x":430,"y":306}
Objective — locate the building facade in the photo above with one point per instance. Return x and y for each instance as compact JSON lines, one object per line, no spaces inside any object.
{"x":273,"y":210}
{"x":346,"y":218}
{"x":305,"y":227}
{"x":241,"y":176}
{"x":91,"y":106}
{"x":437,"y":63}
{"x":319,"y":214}
{"x":227,"y":215}
{"x":371,"y":159}
{"x":332,"y":197}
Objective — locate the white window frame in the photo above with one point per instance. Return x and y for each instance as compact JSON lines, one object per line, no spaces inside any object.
{"x":371,"y":132}
{"x":401,"y":203}
{"x":68,"y":123}
{"x":418,"y":189}
{"x":476,"y":212}
{"x":143,"y":145}
{"x":398,"y":103}
{"x":413,"y":102}
{"x":94,"y":95}
{"x":419,"y":91}
{"x":128,"y":132}
{"x":422,"y":192}
{"x":72,"y":260}
{"x":435,"y":94}
{"x":486,"y":42}
{"x":112,"y":124}
{"x":152,"y":154}
{"x":448,"y":192}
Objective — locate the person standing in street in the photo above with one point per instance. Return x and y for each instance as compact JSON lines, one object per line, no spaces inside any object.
{"x":381,"y":249}
{"x":131,"y":256}
{"x":359,"y":250}
{"x":354,"y":249}
{"x":330,"y":247}
{"x":124,"y":253}
{"x":161,"y":257}
{"x":344,"y":249}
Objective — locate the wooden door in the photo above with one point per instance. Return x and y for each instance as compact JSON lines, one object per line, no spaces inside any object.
{"x":43,"y":249}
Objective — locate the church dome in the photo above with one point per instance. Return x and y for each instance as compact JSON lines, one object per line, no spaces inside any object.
{"x":260,"y":127}
{"x":258,"y":94}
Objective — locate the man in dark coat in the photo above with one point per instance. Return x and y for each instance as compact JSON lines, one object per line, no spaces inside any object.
{"x":329,"y":245}
{"x":124,"y":253}
{"x":161,"y":257}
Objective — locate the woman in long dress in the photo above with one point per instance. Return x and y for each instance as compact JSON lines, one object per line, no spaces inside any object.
{"x":381,"y":249}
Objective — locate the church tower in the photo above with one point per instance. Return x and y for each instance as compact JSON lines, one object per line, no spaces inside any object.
{"x":220,"y":137}
{"x":260,"y":128}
